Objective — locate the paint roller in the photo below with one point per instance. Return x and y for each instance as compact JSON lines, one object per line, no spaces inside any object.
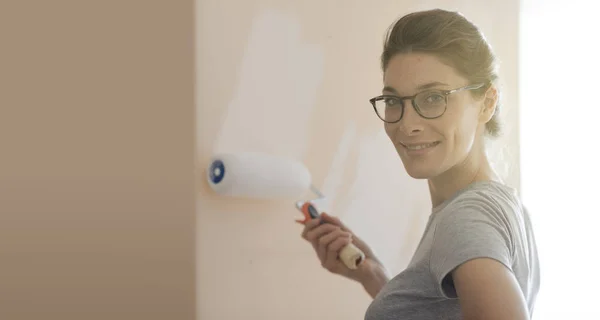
{"x":265,"y":176}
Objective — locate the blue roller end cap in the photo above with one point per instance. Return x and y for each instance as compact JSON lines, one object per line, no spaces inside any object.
{"x":217,"y":171}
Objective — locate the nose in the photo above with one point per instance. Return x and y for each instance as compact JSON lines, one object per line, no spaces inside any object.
{"x":411,"y":122}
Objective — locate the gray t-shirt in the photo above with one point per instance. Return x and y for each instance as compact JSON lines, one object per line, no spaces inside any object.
{"x":486,"y":219}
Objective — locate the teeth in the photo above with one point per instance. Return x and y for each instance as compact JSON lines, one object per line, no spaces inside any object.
{"x":421,"y":146}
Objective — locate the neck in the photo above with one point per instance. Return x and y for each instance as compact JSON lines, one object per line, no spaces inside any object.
{"x":476,"y":167}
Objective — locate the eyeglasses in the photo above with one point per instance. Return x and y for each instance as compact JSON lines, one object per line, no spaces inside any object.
{"x":429,"y":104}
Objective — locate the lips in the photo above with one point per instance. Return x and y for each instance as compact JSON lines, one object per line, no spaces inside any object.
{"x":419,"y":146}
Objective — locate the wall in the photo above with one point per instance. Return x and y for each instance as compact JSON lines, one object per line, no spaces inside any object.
{"x":97,"y":135}
{"x":97,"y":215}
{"x":560,"y":168}
{"x":294,"y":78}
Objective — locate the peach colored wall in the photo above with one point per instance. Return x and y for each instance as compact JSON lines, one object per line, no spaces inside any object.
{"x":294,"y":78}
{"x":97,"y":199}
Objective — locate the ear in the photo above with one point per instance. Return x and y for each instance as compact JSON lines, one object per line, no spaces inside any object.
{"x":489,"y":104}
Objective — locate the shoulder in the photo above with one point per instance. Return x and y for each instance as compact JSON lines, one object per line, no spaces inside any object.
{"x":473,"y":251}
{"x":477,"y":223}
{"x":484,"y":201}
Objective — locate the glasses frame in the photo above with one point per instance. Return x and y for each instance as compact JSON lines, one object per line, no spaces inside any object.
{"x":412,"y":99}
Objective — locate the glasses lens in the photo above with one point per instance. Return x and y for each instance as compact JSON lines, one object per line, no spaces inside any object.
{"x":389,"y":109}
{"x":431,"y":104}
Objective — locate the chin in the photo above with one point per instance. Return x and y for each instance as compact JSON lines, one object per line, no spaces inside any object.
{"x":420,"y":169}
{"x":419,"y":173}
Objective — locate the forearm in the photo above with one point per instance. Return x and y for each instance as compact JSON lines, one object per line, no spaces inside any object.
{"x":375,"y":281}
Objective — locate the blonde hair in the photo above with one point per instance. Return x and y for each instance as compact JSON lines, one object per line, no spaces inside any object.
{"x":454,"y":40}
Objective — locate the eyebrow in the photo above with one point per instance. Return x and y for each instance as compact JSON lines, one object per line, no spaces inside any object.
{"x":419,"y":88}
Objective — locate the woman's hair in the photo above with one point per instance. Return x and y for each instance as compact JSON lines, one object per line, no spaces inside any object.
{"x":453,"y":39}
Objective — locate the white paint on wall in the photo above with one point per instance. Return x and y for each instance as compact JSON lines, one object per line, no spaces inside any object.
{"x":383,"y":215}
{"x":335,"y":177}
{"x":276,"y":90}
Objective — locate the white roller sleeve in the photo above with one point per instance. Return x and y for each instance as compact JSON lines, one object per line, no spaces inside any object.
{"x":258,"y":175}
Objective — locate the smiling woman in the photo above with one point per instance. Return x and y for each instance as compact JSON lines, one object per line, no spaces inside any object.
{"x":477,"y":258}
{"x":442,"y":115}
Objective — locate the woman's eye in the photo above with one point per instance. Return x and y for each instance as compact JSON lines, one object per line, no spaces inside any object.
{"x":390,"y":102}
{"x":434,"y":98}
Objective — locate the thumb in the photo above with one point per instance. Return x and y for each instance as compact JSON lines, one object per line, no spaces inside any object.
{"x":333,"y":220}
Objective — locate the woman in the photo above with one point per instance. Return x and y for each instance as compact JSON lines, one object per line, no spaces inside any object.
{"x":477,"y":258}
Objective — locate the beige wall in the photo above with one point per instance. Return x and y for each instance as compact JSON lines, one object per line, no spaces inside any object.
{"x":294,"y":78}
{"x":96,"y":164}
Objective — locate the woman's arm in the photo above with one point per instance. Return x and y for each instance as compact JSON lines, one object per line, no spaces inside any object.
{"x":487,"y":290}
{"x":375,"y":277}
{"x":473,"y":257}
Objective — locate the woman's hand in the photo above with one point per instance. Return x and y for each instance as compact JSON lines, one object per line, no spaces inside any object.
{"x":329,"y":238}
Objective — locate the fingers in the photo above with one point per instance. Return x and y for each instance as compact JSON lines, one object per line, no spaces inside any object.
{"x":331,"y":262}
{"x":329,"y":244}
{"x":309,"y":226}
{"x":313,"y":233}
{"x":328,"y":239}
{"x":333,"y":220}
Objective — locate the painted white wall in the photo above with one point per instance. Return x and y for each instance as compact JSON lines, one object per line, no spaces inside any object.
{"x":294,"y":78}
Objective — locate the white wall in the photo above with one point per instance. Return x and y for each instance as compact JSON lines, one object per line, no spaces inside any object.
{"x":305,"y":70}
{"x":559,"y":139}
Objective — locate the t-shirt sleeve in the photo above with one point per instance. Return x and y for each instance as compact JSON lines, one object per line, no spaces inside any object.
{"x":472,"y":229}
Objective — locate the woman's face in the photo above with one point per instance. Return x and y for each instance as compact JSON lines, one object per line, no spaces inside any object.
{"x":429,"y":147}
